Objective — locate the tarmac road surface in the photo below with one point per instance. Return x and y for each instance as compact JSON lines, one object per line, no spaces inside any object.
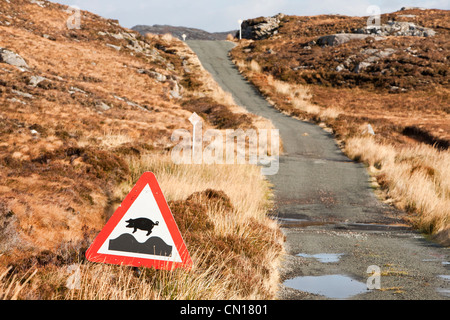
{"x":336,"y":228}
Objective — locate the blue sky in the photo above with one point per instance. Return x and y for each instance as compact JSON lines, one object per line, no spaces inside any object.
{"x":222,"y":15}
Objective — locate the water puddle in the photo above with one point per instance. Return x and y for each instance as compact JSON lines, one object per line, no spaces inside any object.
{"x":323,"y":257}
{"x":332,"y":286}
{"x":444,"y":292}
{"x":299,"y":223}
{"x":372,"y":227}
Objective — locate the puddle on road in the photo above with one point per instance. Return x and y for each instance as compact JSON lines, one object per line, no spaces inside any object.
{"x":332,"y":286}
{"x":445,"y":292}
{"x":299,"y":223}
{"x":323,"y":257}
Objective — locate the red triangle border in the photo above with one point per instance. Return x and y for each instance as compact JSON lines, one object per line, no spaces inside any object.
{"x":148,"y":178}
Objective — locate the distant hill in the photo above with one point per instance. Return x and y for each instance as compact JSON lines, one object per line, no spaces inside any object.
{"x":191,"y":33}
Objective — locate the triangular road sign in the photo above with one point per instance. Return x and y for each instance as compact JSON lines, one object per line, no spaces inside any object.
{"x":142,"y":232}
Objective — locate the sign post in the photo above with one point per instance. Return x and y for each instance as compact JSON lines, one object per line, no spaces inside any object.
{"x":240,"y":29}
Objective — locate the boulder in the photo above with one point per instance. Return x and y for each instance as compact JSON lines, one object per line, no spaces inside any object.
{"x":12,"y":58}
{"x":361,"y":66}
{"x":35,"y":80}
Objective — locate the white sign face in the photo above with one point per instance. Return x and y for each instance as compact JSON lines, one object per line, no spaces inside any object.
{"x":142,"y":232}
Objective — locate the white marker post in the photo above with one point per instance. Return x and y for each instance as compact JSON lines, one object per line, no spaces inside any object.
{"x":184,"y":37}
{"x":197,"y":139}
{"x":240,"y":29}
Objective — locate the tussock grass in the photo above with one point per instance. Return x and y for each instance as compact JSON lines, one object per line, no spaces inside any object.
{"x":296,"y":98}
{"x":415,"y":177}
{"x":11,"y":287}
{"x":108,"y":282}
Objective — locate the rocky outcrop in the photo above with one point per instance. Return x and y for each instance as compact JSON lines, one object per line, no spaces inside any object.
{"x":371,"y":56}
{"x":392,"y":28}
{"x":396,"y":28}
{"x":340,"y":38}
{"x":261,"y":28}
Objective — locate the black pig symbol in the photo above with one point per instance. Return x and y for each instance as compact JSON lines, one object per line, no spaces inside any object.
{"x":142,"y":224}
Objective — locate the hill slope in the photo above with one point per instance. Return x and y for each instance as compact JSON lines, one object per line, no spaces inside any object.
{"x":191,"y":33}
{"x":84,"y":112}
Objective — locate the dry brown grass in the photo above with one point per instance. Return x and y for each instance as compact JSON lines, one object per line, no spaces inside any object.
{"x":415,"y":178}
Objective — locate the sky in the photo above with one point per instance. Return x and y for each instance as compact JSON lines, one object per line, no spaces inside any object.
{"x":223,"y":15}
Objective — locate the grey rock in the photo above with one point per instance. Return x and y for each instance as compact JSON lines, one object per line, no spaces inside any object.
{"x":261,"y":28}
{"x":131,"y":103}
{"x":113,"y":46}
{"x":103,"y":106}
{"x":396,"y":28}
{"x":72,"y":90}
{"x":118,"y":36}
{"x":340,"y":38}
{"x":16,"y":100}
{"x":340,"y":68}
{"x":35,"y":80}
{"x":153,"y":74}
{"x":175,"y":94}
{"x":39,"y":3}
{"x":176,"y":90}
{"x":361,"y":66}
{"x":23,"y":94}
{"x":157,"y":76}
{"x":377,"y":54}
{"x":12,"y":58}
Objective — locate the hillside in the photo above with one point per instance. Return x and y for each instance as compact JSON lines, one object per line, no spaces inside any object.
{"x":343,"y":75}
{"x":402,"y":77}
{"x":191,"y":33}
{"x":84,"y":112}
